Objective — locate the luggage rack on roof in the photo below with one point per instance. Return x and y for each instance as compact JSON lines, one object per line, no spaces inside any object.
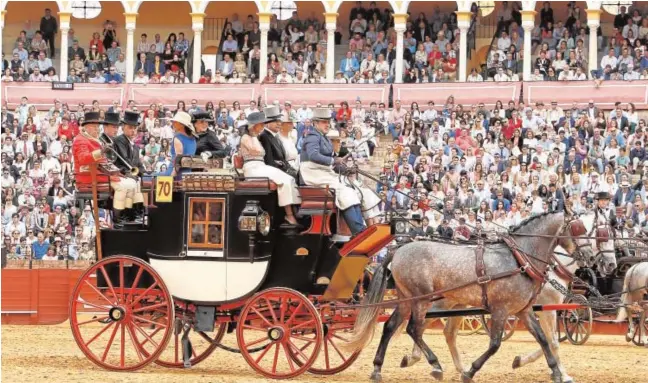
{"x":203,"y":181}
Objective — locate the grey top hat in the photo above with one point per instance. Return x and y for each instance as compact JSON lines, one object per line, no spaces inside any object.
{"x":272,"y":113}
{"x":321,"y":114}
{"x":256,"y":118}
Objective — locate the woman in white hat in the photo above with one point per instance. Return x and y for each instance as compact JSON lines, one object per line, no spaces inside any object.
{"x":254,"y":166}
{"x":184,"y":139}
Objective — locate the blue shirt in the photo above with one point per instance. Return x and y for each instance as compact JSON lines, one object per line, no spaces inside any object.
{"x":39,"y":250}
{"x":317,"y":148}
{"x":113,"y":77}
{"x":188,"y":149}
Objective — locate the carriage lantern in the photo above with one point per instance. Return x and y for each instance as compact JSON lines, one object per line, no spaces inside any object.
{"x":399,"y":226}
{"x":253,"y":218}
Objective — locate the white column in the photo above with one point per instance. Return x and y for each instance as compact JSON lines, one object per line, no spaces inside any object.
{"x":64,"y":28}
{"x":197,"y":53}
{"x":197,"y":25}
{"x":592,"y":60}
{"x":398,"y":75}
{"x":131,"y":20}
{"x":526,"y":64}
{"x":63,"y":68}
{"x":263,"y":61}
{"x":463,"y":52}
{"x":130,"y":54}
{"x":330,"y":53}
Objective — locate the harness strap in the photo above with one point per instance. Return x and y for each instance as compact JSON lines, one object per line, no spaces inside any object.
{"x":561,"y":271}
{"x":523,"y":260}
{"x":482,"y":277}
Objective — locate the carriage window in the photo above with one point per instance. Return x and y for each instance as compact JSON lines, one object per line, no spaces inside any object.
{"x":206,"y":223}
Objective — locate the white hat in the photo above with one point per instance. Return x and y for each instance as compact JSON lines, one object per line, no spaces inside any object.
{"x":333,"y":134}
{"x":625,"y":184}
{"x":185,"y":119}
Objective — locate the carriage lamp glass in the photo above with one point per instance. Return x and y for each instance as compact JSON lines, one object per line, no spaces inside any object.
{"x":248,"y":219}
{"x":399,"y":226}
{"x":263,"y":223}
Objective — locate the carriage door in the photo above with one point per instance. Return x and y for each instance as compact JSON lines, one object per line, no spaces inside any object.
{"x":206,"y":230}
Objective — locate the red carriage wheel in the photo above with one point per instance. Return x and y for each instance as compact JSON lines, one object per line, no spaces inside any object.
{"x":203,"y":344}
{"x":333,"y":358}
{"x":126,"y":324}
{"x":578,"y":322}
{"x":287,"y":326}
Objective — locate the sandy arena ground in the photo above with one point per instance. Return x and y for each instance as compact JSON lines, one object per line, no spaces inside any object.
{"x":49,"y":354}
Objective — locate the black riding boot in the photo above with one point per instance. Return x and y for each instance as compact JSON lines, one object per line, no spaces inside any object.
{"x":118,"y":218}
{"x":138,"y":212}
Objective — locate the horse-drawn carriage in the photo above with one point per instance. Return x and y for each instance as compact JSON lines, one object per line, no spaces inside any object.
{"x":215,"y":257}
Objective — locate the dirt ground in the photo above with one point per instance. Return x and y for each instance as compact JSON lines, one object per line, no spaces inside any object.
{"x":49,"y":354}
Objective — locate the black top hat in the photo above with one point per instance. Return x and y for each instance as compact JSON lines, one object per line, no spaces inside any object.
{"x":201,"y":116}
{"x":91,"y":118}
{"x":256,"y":118}
{"x":111,"y":119}
{"x":603,"y":195}
{"x":130,"y":118}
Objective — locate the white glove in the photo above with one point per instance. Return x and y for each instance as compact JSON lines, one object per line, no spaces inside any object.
{"x":205,"y":156}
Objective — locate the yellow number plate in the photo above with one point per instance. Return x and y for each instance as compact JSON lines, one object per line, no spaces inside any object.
{"x":164,"y":189}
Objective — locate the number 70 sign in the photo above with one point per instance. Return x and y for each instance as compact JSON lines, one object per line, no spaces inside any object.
{"x":164,"y":189}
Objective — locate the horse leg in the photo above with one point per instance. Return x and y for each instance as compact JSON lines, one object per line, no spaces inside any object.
{"x":415,"y":329}
{"x":498,"y":318}
{"x":535,"y":329}
{"x":450,"y":331}
{"x":390,"y":328}
{"x":415,"y":356}
{"x":523,"y":360}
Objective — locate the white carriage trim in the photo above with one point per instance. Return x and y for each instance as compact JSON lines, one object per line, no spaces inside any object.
{"x":205,"y":253}
{"x":210,"y":281}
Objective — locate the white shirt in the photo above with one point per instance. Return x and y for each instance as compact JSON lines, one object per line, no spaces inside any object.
{"x":607,"y":60}
{"x":304,"y":114}
{"x":475,"y":78}
{"x":501,"y":77}
{"x":50,"y":164}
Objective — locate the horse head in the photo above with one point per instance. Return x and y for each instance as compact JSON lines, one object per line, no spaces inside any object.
{"x":571,"y":239}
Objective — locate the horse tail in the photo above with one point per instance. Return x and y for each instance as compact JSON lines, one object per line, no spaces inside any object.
{"x":365,"y":323}
{"x":623,"y":312}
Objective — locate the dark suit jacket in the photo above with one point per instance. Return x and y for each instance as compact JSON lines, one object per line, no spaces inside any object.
{"x":129,"y":153}
{"x":147,"y":66}
{"x":209,"y":142}
{"x":619,"y":200}
{"x":79,"y":51}
{"x":420,"y":35}
{"x":274,"y":152}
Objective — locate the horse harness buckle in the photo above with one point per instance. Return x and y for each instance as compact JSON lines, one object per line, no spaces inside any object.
{"x":484,"y":279}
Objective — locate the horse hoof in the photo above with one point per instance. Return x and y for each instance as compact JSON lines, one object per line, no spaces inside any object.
{"x":569,"y":379}
{"x":466,"y":379}
{"x":376,"y":377}
{"x":628,"y":337}
{"x":405,"y":362}
{"x":517,"y":362}
{"x":437,"y":374}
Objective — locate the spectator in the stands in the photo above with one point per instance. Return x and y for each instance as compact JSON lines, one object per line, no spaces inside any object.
{"x":75,"y":49}
{"x":113,"y":52}
{"x":143,"y":46}
{"x":44,"y":63}
{"x":22,"y":53}
{"x":120,"y":65}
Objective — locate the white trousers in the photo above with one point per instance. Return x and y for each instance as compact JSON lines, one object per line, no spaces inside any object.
{"x":127,"y":192}
{"x":287,"y":192}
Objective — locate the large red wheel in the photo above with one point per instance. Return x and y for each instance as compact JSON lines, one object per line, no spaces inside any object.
{"x":125,"y":325}
{"x":203,"y":344}
{"x":333,"y":358}
{"x":287,"y":325}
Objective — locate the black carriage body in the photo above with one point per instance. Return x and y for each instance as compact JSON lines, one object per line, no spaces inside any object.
{"x":291,"y":255}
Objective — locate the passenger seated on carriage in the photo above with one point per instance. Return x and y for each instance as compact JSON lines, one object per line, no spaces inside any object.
{"x":184,"y":142}
{"x":253,"y":154}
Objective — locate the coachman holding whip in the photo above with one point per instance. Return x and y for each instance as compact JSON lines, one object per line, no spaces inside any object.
{"x":87,"y":149}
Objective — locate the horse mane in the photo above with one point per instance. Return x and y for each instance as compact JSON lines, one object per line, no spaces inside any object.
{"x":518,"y":227}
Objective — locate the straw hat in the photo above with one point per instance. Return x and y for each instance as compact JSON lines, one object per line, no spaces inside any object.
{"x":185,"y":119}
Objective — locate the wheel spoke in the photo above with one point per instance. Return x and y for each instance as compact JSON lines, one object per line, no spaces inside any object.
{"x":302,"y":338}
{"x":152,"y":307}
{"x":134,"y":341}
{"x":122,"y":347}
{"x":290,"y":361}
{"x":138,"y":328}
{"x":261,"y":316}
{"x":312,"y":321}
{"x":144,"y":293}
{"x":110,"y":342}
{"x":276,"y":358}
{"x":139,"y":318}
{"x":292,"y":345}
{"x":97,"y":319}
{"x":292,"y":317}
{"x":248,"y":345}
{"x":109,"y":282}
{"x":96,"y":290}
{"x":263,"y":353}
{"x":151,"y":335}
{"x":255,"y":328}
{"x":99,"y":334}
{"x":271,"y":309}
{"x":327,"y":362}
{"x":339,"y":352}
{"x":121,"y":280}
{"x":136,"y":281}
{"x":93,"y":305}
{"x":176,"y":342}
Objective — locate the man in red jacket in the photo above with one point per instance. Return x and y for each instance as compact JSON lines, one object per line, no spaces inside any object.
{"x":87,"y":150}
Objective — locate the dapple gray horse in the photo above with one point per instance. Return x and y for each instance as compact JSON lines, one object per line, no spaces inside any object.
{"x":635,"y":287}
{"x":422,"y":268}
{"x":600,"y":234}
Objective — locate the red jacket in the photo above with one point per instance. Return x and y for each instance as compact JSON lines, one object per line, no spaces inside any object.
{"x":82,"y":149}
